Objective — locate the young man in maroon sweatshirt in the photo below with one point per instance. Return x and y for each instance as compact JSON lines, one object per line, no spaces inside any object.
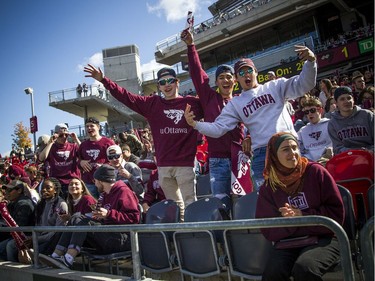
{"x":175,"y":141}
{"x":219,"y":149}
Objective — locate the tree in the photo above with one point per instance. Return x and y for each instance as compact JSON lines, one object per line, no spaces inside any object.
{"x":21,"y":138}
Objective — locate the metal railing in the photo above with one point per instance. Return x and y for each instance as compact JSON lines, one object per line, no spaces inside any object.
{"x":345,"y":253}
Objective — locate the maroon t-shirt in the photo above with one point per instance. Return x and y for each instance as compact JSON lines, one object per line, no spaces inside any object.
{"x":83,"y":205}
{"x":63,"y":161}
{"x":175,"y":141}
{"x":96,"y":152}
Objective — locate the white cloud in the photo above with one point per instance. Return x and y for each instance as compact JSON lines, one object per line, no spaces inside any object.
{"x":96,"y":60}
{"x":149,"y":68}
{"x":175,"y":10}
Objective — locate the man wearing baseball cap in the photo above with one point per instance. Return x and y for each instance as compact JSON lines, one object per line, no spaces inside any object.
{"x":174,"y":140}
{"x":116,"y":205}
{"x":261,"y":107}
{"x":62,"y":156}
{"x":350,"y":127}
{"x":213,"y":102}
{"x":92,"y":153}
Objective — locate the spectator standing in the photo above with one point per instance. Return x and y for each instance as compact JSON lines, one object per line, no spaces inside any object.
{"x":350,"y":127}
{"x":314,"y":141}
{"x":62,"y":156}
{"x":101,"y":92}
{"x":132,"y":141}
{"x":92,"y":153}
{"x":369,"y":78}
{"x":85,"y":89}
{"x":261,"y":107}
{"x":117,"y":205}
{"x":366,"y":98}
{"x":295,"y":187}
{"x":213,"y":102}
{"x":174,"y":139}
{"x":79,"y":91}
{"x":358,"y":85}
{"x":325,"y":90}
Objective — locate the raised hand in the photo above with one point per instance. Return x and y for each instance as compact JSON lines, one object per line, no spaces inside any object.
{"x":304,"y":53}
{"x":187,"y":37}
{"x":189,"y":116}
{"x":94,"y":72}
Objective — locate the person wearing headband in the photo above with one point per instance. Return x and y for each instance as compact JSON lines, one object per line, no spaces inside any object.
{"x":296,"y":187}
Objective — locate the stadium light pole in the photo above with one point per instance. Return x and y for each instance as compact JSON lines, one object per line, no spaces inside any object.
{"x":30,"y":91}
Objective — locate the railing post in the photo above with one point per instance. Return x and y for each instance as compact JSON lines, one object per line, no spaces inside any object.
{"x":135,"y":256}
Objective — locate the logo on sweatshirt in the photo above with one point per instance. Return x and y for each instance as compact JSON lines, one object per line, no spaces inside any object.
{"x":315,"y":135}
{"x":63,"y":154}
{"x":257,"y":103}
{"x":299,"y":201}
{"x":353,"y":132}
{"x":174,"y":114}
{"x":93,"y":153}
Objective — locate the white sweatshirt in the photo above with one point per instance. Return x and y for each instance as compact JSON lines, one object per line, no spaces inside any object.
{"x":262,"y":109}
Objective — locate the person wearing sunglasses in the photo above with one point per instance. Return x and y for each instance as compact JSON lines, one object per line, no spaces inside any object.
{"x":314,"y":141}
{"x":62,"y":156}
{"x":213,"y":102}
{"x":350,"y":127}
{"x":261,"y":107}
{"x":128,"y":172}
{"x":174,"y":140}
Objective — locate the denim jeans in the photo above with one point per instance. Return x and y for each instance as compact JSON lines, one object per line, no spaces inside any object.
{"x":257,"y":167}
{"x":103,"y":242}
{"x":220,"y":178}
{"x":8,"y":250}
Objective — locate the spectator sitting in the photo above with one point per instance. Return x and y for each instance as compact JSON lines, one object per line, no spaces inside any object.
{"x":79,"y":199}
{"x":128,"y":155}
{"x":369,"y":78}
{"x":350,"y":127}
{"x":295,"y":187}
{"x":154,"y":193}
{"x":330,"y":107}
{"x":325,"y":87}
{"x":314,"y":141}
{"x":21,"y":209}
{"x":116,"y":205}
{"x":128,"y":172}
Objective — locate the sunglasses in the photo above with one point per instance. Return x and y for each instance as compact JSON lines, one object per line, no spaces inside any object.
{"x":242,"y":73}
{"x":114,"y":156}
{"x":311,"y":110}
{"x":169,"y":81}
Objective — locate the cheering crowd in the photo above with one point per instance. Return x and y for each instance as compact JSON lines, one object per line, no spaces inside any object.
{"x":289,"y":128}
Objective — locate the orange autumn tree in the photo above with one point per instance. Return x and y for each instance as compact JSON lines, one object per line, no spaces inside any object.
{"x":21,"y":139}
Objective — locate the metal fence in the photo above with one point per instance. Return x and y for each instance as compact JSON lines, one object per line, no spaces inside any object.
{"x":345,"y":254}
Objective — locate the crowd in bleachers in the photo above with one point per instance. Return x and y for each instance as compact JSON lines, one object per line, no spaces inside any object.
{"x":102,"y":180}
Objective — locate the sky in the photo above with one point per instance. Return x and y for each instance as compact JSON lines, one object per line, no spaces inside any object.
{"x":46,"y":43}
